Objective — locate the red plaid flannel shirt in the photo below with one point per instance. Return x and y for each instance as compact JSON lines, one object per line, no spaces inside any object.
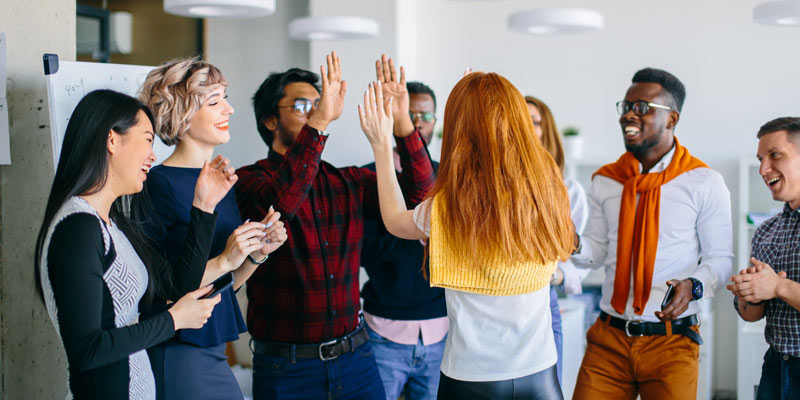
{"x":308,"y":290}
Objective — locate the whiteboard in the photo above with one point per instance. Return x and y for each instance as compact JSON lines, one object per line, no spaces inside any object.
{"x":69,"y":81}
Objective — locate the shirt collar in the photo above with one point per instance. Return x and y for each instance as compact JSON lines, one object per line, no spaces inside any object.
{"x":662,"y":164}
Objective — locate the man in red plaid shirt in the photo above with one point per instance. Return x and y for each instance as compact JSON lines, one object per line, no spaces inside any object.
{"x":304,"y":305}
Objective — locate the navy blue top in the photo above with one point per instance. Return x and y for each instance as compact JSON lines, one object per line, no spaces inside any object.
{"x":397,"y":288}
{"x":171,"y":190}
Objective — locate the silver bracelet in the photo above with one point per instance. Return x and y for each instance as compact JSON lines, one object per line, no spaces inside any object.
{"x":257,"y":262}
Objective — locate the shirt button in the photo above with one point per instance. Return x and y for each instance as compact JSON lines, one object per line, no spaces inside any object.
{"x":319,"y":211}
{"x":333,"y":312}
{"x":316,"y":138}
{"x":305,"y":165}
{"x":331,"y":276}
{"x":325,"y":243}
{"x":785,"y":358}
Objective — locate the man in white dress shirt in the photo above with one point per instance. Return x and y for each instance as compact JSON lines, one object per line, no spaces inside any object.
{"x":658,"y":217}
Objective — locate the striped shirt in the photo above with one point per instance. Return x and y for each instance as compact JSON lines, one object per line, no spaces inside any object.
{"x":777,"y":243}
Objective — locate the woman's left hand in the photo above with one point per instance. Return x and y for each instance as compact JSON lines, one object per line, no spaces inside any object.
{"x":275,"y":234}
{"x":215,"y":180}
{"x":376,"y":117}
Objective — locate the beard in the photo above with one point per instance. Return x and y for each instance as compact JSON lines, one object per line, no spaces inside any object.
{"x":645,"y":145}
{"x":284,"y":135}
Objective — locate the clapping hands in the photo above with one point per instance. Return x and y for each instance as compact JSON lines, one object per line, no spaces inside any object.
{"x":757,"y":283}
{"x":215,"y":180}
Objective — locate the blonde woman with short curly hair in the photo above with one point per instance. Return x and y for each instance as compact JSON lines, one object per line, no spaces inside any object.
{"x":191,"y":112}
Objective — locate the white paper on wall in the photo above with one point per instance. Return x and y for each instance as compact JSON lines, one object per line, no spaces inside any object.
{"x":5,"y":144}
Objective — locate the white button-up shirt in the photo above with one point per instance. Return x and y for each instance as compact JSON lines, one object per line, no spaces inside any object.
{"x":694,"y":239}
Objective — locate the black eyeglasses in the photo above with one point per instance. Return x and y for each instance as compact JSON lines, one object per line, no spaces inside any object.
{"x":302,"y":106}
{"x":639,"y":107}
{"x":426,"y":116}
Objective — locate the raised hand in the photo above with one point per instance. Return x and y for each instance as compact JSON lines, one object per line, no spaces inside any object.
{"x":376,"y":117}
{"x":394,"y":88}
{"x":215,"y":180}
{"x":331,"y":102}
{"x":467,"y":72}
{"x":192,"y":312}
{"x":275,"y":234}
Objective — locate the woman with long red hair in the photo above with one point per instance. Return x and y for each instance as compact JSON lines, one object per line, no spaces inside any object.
{"x":498,"y":221}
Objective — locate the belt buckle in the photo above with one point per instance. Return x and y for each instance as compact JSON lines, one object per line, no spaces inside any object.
{"x":627,"y":330}
{"x":321,"y":355}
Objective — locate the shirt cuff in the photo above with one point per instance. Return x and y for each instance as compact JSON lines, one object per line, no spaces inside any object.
{"x":313,"y":137}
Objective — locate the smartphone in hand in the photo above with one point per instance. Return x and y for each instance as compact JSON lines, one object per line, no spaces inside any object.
{"x":223,"y":282}
{"x":667,"y":297}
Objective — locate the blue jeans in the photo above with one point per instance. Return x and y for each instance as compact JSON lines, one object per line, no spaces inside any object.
{"x":780,"y":377}
{"x":557,"y":331}
{"x":350,"y":376}
{"x":411,"y":370}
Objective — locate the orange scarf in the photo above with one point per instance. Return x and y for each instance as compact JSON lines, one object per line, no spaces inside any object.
{"x":640,"y":229}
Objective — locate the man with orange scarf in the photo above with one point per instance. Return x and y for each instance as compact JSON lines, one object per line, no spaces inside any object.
{"x":657,"y":217}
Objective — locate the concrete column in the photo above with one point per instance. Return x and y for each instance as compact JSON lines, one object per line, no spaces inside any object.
{"x":32,"y":360}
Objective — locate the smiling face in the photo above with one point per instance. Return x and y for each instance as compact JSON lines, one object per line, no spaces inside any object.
{"x":651,"y":132}
{"x":780,"y":166}
{"x":209,"y":125}
{"x":131,"y":156}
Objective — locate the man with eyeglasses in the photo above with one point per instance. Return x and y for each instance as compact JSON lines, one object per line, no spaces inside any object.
{"x":406,"y":317}
{"x":660,"y":225}
{"x":303,"y":312}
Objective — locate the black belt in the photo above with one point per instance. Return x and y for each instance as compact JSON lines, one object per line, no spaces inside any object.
{"x":680,"y":326}
{"x":324,"y":351}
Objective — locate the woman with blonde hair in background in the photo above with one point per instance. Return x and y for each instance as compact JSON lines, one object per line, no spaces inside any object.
{"x":191,"y":112}
{"x":498,"y":221}
{"x":566,"y":273}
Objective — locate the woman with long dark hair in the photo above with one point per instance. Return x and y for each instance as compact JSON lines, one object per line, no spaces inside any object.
{"x":191,"y":112}
{"x":94,"y":266}
{"x":498,"y":221}
{"x":566,"y":274}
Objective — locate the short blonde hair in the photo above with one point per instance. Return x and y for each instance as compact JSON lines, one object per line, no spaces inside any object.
{"x":174,"y":91}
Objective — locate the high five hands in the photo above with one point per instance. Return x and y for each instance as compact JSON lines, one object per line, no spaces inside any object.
{"x":394,"y":89}
{"x":376,"y":117}
{"x":331,"y":102}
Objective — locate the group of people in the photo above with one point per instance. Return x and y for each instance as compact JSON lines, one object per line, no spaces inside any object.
{"x":463,"y":255}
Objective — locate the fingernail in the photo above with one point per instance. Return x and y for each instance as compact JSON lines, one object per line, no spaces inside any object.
{"x":269,"y":241}
{"x":247,"y":220}
{"x":271,"y":209}
{"x":268,"y":225}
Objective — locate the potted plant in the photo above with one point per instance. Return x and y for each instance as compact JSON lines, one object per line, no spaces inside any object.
{"x":573,"y":143}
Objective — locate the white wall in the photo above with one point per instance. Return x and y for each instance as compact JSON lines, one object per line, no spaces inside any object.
{"x":247,"y":51}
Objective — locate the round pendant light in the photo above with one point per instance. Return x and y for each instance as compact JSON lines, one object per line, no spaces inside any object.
{"x":220,"y":8}
{"x":777,"y":13}
{"x":333,"y":28}
{"x":557,"y":21}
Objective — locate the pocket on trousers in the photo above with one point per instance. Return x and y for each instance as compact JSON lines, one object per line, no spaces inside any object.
{"x":268,"y":366}
{"x":365,"y":351}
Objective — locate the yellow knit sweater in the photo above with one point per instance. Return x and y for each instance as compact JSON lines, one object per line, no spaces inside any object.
{"x":494,"y":277}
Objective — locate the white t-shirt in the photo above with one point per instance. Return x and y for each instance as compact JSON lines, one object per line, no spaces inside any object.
{"x":494,"y":338}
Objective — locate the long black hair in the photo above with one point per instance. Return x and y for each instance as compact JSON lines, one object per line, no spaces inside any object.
{"x":83,"y":170}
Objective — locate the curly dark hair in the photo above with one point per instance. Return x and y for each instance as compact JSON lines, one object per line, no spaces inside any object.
{"x":421,"y":88}
{"x":671,"y":84}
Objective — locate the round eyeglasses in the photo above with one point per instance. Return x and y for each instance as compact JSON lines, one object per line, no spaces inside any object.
{"x":302,"y":106}
{"x":425,"y":116}
{"x":639,"y":107}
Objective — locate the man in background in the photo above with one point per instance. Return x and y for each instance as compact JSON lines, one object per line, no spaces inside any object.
{"x":406,"y":317}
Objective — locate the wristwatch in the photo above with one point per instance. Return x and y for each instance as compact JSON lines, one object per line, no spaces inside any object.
{"x":697,"y":289}
{"x":257,"y":262}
